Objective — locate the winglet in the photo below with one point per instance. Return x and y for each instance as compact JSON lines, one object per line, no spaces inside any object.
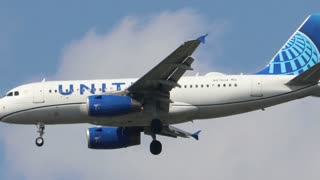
{"x":202,"y":39}
{"x":196,"y":135}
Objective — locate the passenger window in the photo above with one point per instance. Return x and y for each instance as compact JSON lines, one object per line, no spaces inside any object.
{"x":185,"y":86}
{"x":190,"y":86}
{"x":50,"y":91}
{"x":224,"y":85}
{"x":218,"y":85}
{"x":10,"y":94}
{"x":229,"y":85}
{"x":201,"y":85}
{"x":196,"y":86}
{"x":208,"y":85}
{"x":16,"y":93}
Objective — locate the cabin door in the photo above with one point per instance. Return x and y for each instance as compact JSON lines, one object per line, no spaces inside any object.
{"x":38,"y":93}
{"x":256,"y":87}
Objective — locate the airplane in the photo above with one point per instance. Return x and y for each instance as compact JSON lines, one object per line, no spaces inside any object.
{"x":122,"y":109}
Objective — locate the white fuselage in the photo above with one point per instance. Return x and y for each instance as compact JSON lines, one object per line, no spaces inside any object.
{"x":199,"y":97}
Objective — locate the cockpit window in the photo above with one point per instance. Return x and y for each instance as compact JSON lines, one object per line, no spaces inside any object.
{"x":10,"y":94}
{"x":16,"y":93}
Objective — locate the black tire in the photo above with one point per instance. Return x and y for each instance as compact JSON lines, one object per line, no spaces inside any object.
{"x":155,"y":147}
{"x":156,"y":126}
{"x":39,"y":141}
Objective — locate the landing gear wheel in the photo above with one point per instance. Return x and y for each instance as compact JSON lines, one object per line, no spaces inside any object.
{"x":156,"y":126}
{"x":39,"y":141}
{"x":155,"y":147}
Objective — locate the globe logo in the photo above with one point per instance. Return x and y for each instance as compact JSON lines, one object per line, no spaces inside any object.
{"x":298,"y":55}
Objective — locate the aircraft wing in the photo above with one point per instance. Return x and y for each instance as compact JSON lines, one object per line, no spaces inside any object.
{"x":158,"y":82}
{"x":174,"y":132}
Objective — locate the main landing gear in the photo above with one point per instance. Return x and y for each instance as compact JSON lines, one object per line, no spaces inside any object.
{"x":40,"y":140}
{"x":156,"y":128}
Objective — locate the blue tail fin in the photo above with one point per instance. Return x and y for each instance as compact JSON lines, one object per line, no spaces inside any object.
{"x":300,"y":52}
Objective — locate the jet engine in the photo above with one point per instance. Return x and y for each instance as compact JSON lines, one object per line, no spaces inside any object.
{"x":112,"y":138}
{"x":111,"y":105}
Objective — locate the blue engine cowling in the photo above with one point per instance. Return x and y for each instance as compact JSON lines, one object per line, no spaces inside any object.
{"x":111,"y":105}
{"x":112,"y":138}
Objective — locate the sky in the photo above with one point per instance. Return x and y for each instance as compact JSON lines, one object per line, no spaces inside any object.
{"x":60,"y":40}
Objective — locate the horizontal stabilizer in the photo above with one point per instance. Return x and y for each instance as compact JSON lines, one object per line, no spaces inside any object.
{"x":174,"y":132}
{"x":311,"y":76}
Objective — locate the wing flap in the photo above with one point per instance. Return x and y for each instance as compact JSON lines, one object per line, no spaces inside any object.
{"x":311,"y":76}
{"x":181,"y":69}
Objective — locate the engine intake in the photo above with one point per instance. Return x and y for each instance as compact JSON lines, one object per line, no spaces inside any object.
{"x":112,"y":138}
{"x":111,"y":105}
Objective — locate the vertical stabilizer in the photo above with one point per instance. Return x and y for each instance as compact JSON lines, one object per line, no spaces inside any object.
{"x":300,"y":53}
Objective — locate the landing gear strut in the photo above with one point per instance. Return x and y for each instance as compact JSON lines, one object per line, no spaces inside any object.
{"x":39,"y":140}
{"x":156,"y":127}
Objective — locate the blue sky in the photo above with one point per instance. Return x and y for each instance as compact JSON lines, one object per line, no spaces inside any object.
{"x":35,"y":32}
{"x":35,"y":36}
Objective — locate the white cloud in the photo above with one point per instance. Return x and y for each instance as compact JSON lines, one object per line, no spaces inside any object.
{"x":134,"y":46}
{"x":280,"y":143}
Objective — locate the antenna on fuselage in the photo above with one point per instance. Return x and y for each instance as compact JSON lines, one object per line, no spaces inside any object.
{"x":44,"y":80}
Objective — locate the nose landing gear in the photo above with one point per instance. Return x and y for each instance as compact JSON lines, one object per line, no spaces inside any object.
{"x":40,"y":140}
